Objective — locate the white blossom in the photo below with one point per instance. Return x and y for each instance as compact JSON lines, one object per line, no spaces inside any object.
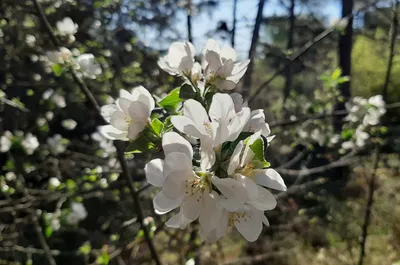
{"x":221,"y":124}
{"x":129,"y":116}
{"x":5,"y":142}
{"x":63,"y":55}
{"x":10,"y":176}
{"x":105,"y":144}
{"x":181,"y":185}
{"x":219,"y":66}
{"x":88,"y":66}
{"x":30,"y":143}
{"x":66,"y":27}
{"x":69,"y":124}
{"x":77,"y":214}
{"x":54,"y":182}
{"x":57,"y":144}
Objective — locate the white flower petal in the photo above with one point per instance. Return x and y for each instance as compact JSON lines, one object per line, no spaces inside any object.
{"x":249,"y":226}
{"x":143,"y":95}
{"x":107,"y":111}
{"x":135,"y":128}
{"x":264,"y":201}
{"x":163,"y":204}
{"x":173,"y":142}
{"x":191,"y":206}
{"x":112,"y":133}
{"x":270,"y":178}
{"x":118,"y":120}
{"x":234,"y":162}
{"x":230,"y":188}
{"x":187,"y":126}
{"x":222,"y":107}
{"x":154,"y":172}
{"x":139,"y":111}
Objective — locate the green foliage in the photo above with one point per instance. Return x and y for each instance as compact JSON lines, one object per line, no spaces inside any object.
{"x":157,"y":126}
{"x":58,"y":69}
{"x":172,"y":100}
{"x":104,"y":259}
{"x":85,"y":248}
{"x":187,"y":92}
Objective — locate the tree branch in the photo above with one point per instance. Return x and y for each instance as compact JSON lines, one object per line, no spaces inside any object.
{"x":119,"y":146}
{"x":307,"y":47}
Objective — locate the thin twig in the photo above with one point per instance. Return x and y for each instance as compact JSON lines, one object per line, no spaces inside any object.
{"x":118,"y":145}
{"x":322,"y":116}
{"x":32,"y":213}
{"x":309,"y":171}
{"x":302,"y":51}
{"x":373,"y":179}
{"x":368,"y":208}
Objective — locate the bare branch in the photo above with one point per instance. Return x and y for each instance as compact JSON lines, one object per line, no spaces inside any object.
{"x":119,"y":146}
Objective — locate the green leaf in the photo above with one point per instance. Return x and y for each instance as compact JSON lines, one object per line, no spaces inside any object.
{"x":336,"y":74}
{"x":171,"y":100}
{"x":347,"y":134}
{"x":85,"y":248}
{"x":57,"y":69}
{"x":157,"y":126}
{"x":187,"y":92}
{"x":48,"y":231}
{"x":141,"y":145}
{"x":258,"y":148}
{"x":343,"y":79}
{"x":104,"y":259}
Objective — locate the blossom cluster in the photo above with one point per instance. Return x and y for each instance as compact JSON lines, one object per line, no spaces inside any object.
{"x":28,"y":142}
{"x":218,"y":65}
{"x":227,"y":187}
{"x":85,"y":63}
{"x":224,"y":182}
{"x":364,"y":113}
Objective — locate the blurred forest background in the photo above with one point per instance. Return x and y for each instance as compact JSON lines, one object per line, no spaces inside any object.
{"x":62,"y":200}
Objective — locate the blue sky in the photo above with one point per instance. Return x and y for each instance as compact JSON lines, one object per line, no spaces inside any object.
{"x":246,"y":12}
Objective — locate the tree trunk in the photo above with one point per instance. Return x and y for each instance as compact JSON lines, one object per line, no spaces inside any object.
{"x":234,"y":23}
{"x":292,"y":19}
{"x":345,"y":48}
{"x":254,"y":40}
{"x":189,"y":20}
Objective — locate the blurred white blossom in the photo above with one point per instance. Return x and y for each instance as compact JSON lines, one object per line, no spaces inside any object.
{"x":30,"y":143}
{"x":77,"y":214}
{"x":69,"y":124}
{"x":66,"y":27}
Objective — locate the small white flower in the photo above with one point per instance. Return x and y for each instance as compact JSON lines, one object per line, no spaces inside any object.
{"x":67,"y":27}
{"x":220,"y":68}
{"x":69,"y":124}
{"x":105,"y":144}
{"x":78,"y":213}
{"x":57,"y":144}
{"x":49,"y":115}
{"x":221,"y":124}
{"x":180,"y":60}
{"x":348,"y":145}
{"x":41,"y":121}
{"x":30,"y":143}
{"x":30,"y":40}
{"x":181,"y":186}
{"x":5,"y":143}
{"x":54,"y":182}
{"x":63,"y":55}
{"x":88,"y":66}
{"x":129,"y":116}
{"x":10,"y":176}
{"x":128,"y":47}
